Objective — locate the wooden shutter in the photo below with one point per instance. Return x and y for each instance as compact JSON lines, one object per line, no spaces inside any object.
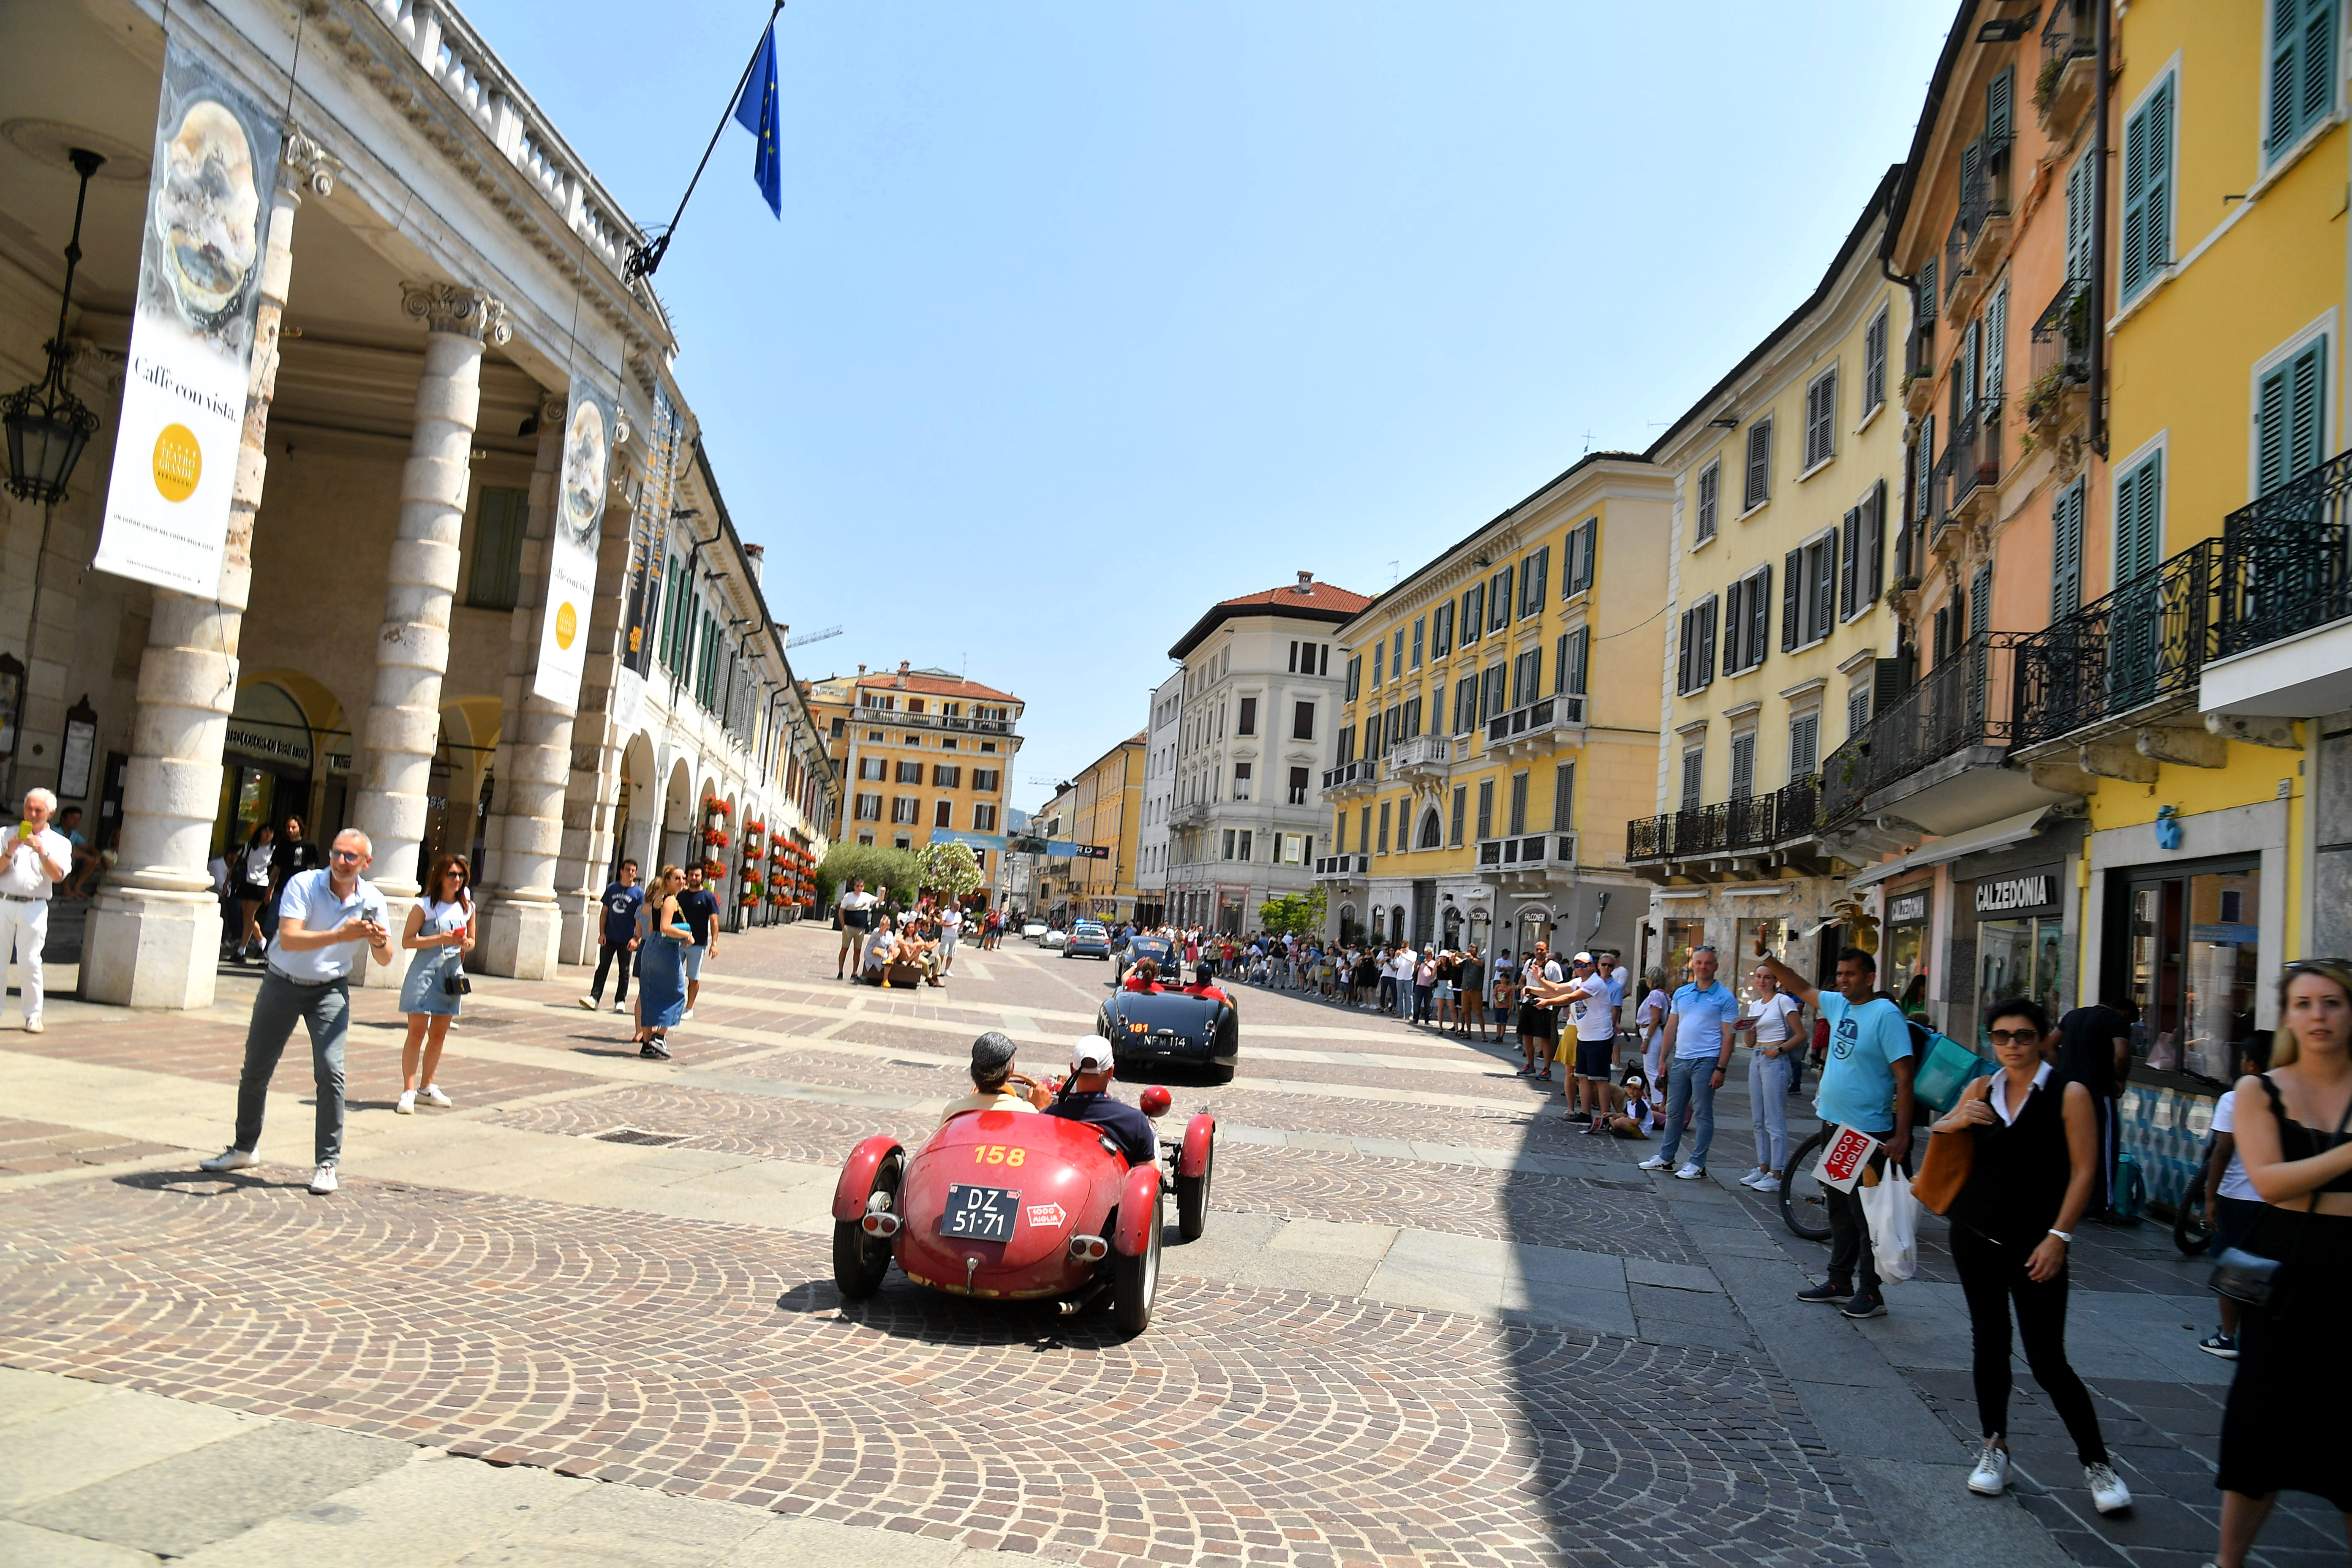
{"x":2286,"y":418}
{"x":1705,"y":668}
{"x":1927,"y":296}
{"x":1563,"y":797}
{"x":1792,"y":577}
{"x":1579,"y":659}
{"x":1804,"y":746}
{"x":1823,"y":610}
{"x":1710,"y":487}
{"x":1759,"y":466}
{"x":2148,"y":191}
{"x":1980,"y":600}
{"x":1873,"y":363}
{"x":1683,"y":654}
{"x":2139,"y":504}
{"x":1972,"y":160}
{"x":2078,"y":220}
{"x":1743,"y":765}
{"x":1943,"y":645}
{"x":2067,"y":552}
{"x":2303,"y":68}
{"x":1735,"y":626}
{"x":2001,"y":103}
{"x":1693,"y":778}
{"x":1965,"y":389}
{"x":1533,"y":581}
{"x":1872,"y":578}
{"x":1498,"y":599}
{"x":1995,"y":343}
{"x":1759,"y":613}
{"x":1440,"y":630}
{"x":1886,"y":682}
{"x":1819,"y":399}
{"x":1474,"y":614}
{"x":1849,"y":569}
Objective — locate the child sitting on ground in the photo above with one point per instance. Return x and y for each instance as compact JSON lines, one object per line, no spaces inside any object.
{"x":1627,"y":1111}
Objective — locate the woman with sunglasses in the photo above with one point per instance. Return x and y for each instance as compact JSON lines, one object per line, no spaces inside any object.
{"x":440,"y":932}
{"x":661,"y":968}
{"x":2036,"y":1151}
{"x":2284,"y":1426}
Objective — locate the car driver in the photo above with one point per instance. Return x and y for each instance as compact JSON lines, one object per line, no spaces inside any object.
{"x":992,"y":1064}
{"x":1086,"y":1098}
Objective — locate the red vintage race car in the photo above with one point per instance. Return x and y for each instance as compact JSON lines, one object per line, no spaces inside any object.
{"x":1020,"y":1206}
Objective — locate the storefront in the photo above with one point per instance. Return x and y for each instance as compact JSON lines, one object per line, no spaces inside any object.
{"x":2020,"y":940}
{"x":1902,"y":956}
{"x":268,"y":753}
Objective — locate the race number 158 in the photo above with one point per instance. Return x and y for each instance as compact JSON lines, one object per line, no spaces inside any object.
{"x":997,"y":1155}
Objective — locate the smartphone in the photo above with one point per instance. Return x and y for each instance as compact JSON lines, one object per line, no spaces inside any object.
{"x":25,"y":828}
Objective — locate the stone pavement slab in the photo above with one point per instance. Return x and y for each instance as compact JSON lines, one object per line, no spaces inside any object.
{"x":47,"y":1453}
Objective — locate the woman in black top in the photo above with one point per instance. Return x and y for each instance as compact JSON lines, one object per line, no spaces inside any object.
{"x":2284,"y":1426}
{"x":2029,"y":1175}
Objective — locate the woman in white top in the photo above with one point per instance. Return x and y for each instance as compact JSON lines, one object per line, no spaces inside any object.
{"x":1773,"y":1028}
{"x":440,"y":932}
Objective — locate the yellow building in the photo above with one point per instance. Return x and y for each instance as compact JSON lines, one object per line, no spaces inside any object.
{"x":1499,"y":725}
{"x":1780,"y":590}
{"x":922,"y":754}
{"x":2200,"y":690}
{"x":1100,"y":810}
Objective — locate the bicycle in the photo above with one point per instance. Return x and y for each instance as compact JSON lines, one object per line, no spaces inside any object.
{"x":1804,"y":1202}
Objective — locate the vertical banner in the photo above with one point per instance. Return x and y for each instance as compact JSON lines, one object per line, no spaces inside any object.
{"x":204,"y":232}
{"x":649,"y":534}
{"x":572,"y":547}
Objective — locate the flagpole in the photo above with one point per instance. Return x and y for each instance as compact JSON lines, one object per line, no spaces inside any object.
{"x":643,"y":259}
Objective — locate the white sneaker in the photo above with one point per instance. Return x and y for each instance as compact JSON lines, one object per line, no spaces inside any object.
{"x":1768,"y":1184}
{"x":231,"y":1160}
{"x":687,"y":1016}
{"x":1751,"y":1178}
{"x":1654,"y":1163}
{"x":406,"y":1104}
{"x":620,"y":1006}
{"x":588,"y":1004}
{"x":433,"y":1095}
{"x":2108,"y":1493}
{"x":32,"y":1025}
{"x":322,"y":1179}
{"x":1990,"y":1477}
{"x":1691,"y":1173}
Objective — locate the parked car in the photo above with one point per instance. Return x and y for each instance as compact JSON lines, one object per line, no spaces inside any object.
{"x":1088,"y":938}
{"x":1055,"y":939}
{"x":1033,"y":931}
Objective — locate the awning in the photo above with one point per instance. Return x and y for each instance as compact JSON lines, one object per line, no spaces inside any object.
{"x":1991,"y":836}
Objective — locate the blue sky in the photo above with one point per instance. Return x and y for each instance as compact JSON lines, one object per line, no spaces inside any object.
{"x":1082,"y":316}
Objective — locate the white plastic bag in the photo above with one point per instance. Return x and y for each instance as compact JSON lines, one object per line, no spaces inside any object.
{"x":1893,"y":1214}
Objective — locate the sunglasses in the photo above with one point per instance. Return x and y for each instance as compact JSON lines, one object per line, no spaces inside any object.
{"x":343,"y":855}
{"x":2014,"y":1036}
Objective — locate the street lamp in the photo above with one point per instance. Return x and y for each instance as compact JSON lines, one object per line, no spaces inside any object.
{"x":48,"y":424}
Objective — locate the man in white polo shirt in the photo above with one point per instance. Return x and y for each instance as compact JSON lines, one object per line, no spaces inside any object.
{"x":39,"y":857}
{"x":324,"y":919}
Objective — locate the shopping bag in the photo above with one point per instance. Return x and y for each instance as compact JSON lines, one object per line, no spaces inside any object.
{"x":1845,"y":1158}
{"x":1947,"y":1067}
{"x":1893,"y":1214}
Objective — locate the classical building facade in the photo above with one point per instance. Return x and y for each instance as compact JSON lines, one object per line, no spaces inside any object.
{"x":1161,"y":734}
{"x":442,"y":275}
{"x":923,"y":755}
{"x":1257,"y":700}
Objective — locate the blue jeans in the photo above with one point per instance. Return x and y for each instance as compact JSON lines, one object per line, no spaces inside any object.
{"x":1690,"y":1080}
{"x":326,"y":1012}
{"x":1767,"y":1099}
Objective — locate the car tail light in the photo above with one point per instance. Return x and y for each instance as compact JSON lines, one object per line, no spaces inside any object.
{"x":879,"y":1225}
{"x":1089,"y":1248}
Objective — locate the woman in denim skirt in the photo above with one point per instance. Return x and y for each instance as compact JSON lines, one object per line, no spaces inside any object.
{"x":440,"y":932}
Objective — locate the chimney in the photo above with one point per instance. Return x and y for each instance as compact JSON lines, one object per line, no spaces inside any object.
{"x":755,"y":560}
{"x":1306,"y":583}
{"x":861,"y":669}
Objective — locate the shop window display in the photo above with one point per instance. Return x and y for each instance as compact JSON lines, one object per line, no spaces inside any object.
{"x":1681,"y":937}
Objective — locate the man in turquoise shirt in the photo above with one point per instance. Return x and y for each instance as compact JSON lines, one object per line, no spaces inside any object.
{"x":1865,"y":1085}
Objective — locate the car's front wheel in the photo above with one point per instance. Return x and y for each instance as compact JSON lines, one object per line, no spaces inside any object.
{"x":1136,"y":1281}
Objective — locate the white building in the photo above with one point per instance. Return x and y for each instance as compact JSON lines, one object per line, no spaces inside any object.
{"x":1260,"y":691}
{"x":1159,"y":800}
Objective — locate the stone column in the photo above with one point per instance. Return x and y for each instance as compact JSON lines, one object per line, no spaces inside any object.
{"x":412,"y":652}
{"x":521,"y":922}
{"x":154,"y":937}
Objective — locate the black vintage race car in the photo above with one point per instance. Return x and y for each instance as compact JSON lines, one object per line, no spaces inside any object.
{"x":1159,"y":1028}
{"x":1159,"y":949}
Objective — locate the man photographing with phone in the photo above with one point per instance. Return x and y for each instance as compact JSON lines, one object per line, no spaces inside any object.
{"x":39,"y":857}
{"x":324,"y":919}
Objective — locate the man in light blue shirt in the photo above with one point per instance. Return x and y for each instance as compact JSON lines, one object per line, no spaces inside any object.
{"x":1697,"y":1049}
{"x":324,"y":919}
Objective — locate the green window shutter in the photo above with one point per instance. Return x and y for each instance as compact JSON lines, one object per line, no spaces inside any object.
{"x":2067,"y":552}
{"x":1980,"y":601}
{"x":1923,"y":467}
{"x":1563,"y":797}
{"x":2286,"y":413}
{"x":2139,"y":509}
{"x":1792,"y":577}
{"x":1760,"y":614}
{"x":2078,"y":219}
{"x":1996,"y":343}
{"x":1734,"y":627}
{"x":1972,"y":160}
{"x":2302,"y":69}
{"x":2148,"y":191}
{"x":1874,"y":545}
{"x":1683,"y":653}
{"x":1927,"y":295}
{"x":1579,"y":659}
{"x":2000,"y":105}
{"x":1850,"y":566}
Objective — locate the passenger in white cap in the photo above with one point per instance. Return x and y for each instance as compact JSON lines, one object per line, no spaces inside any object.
{"x":1086,"y":1098}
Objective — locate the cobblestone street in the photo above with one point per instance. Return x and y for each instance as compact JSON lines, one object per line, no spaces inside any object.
{"x":1428,"y":1323}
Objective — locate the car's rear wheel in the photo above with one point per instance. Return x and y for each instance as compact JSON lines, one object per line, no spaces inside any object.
{"x":860,"y":1261}
{"x":1192,"y":1198}
{"x":1136,"y":1281}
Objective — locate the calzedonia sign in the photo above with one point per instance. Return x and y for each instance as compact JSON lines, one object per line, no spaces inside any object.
{"x":2023,"y":893}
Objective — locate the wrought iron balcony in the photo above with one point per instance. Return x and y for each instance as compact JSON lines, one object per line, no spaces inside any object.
{"x":2284,"y":568}
{"x":1359,"y":773}
{"x":2062,"y":350}
{"x":1747,"y":826}
{"x":2122,"y":659}
{"x":1970,"y":464}
{"x":1530,"y":726}
{"x":1527,"y":854}
{"x":1342,"y":867}
{"x":1984,"y":194}
{"x":2061,"y":90}
{"x":1964,"y":703}
{"x":1421,"y":755}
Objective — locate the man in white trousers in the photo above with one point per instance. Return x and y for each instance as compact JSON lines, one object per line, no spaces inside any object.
{"x":39,"y":857}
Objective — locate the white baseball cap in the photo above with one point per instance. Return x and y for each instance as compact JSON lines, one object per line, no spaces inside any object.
{"x":1090,"y":1053}
{"x":1581,"y":958}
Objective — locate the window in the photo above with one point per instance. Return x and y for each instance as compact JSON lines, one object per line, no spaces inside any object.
{"x":2303,"y":70}
{"x":909,"y":773}
{"x":1808,"y":592}
{"x":1380,"y":653}
{"x":1364,"y":829}
{"x":1518,"y":804}
{"x":1583,"y":547}
{"x":1923,"y":467}
{"x":1804,"y":746}
{"x":1420,"y":637}
{"x":498,"y":526}
{"x":985,"y":780}
{"x":1355,"y":673}
{"x":1534,"y":574}
{"x":1302,"y":722}
{"x":869,"y":808}
{"x":1993,"y":354}
{"x":1297,"y":787}
{"x":2147,"y":190}
{"x":1980,"y":600}
{"x":840,"y":727}
{"x":1526,"y":677}
{"x":989,"y":747}
{"x":1384,"y":829}
{"x":1229,"y":844}
{"x":1850,"y":568}
{"x":867,"y":839}
{"x":2139,"y":520}
{"x":1927,"y":296}
{"x":1569,"y":661}
{"x":1759,"y":466}
{"x":1491,"y":693}
{"x":1485,"y":808}
{"x":1857,"y":708}
{"x":1563,"y":797}
{"x":1821,"y":419}
{"x":1428,"y":838}
{"x":1711,"y":488}
{"x":1873,"y":363}
{"x":1869,"y":572}
{"x":2066,"y":550}
{"x":1694,"y":670}
{"x":1743,"y":767}
{"x":1499,"y":600}
{"x":943,"y":813}
{"x":983,"y":817}
{"x":1441,"y":631}
{"x":2078,"y":219}
{"x":1396,"y":656}
{"x":1474,"y":614}
{"x":1461,"y":806}
{"x":944,"y":777}
{"x":905,"y":809}
{"x":1465,"y":704}
{"x":1694,"y":777}
{"x":1241,"y":781}
{"x":2287,"y":407}
{"x":1248,"y":724}
{"x":872,"y":769}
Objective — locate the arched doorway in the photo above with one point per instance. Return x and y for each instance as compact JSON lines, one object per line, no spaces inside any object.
{"x":269,"y":752}
{"x":1535,"y":926}
{"x":1351,"y":930}
{"x":1380,"y":923}
{"x":676,"y":818}
{"x":1396,"y":922}
{"x":1451,"y":919}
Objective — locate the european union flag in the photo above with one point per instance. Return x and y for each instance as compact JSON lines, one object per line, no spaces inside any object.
{"x":755,"y":111}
